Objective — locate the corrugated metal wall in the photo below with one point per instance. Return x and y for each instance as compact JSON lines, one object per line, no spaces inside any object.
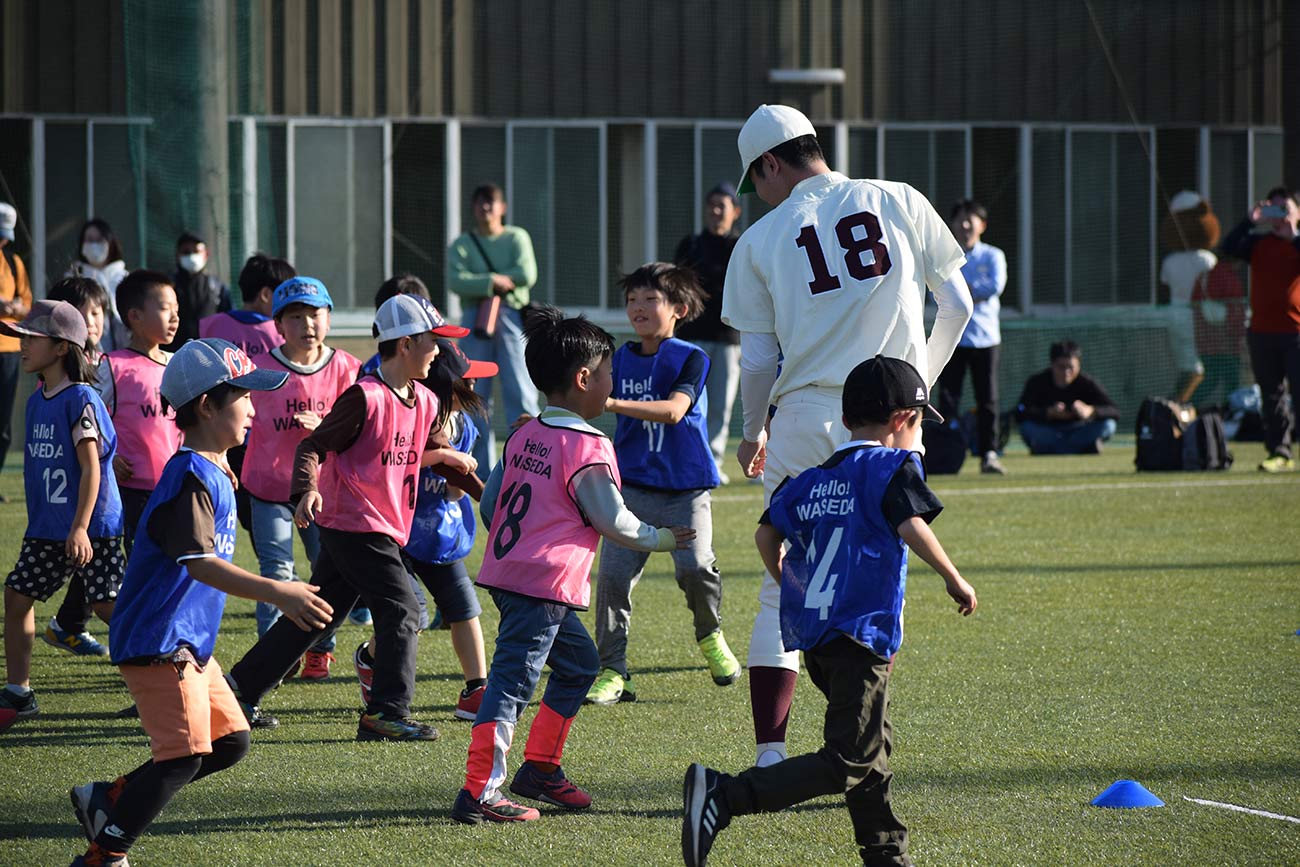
{"x":1192,"y":61}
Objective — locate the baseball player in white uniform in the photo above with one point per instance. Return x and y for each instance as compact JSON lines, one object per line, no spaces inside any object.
{"x":836,"y":273}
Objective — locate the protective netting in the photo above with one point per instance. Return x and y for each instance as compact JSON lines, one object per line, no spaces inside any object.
{"x":347,"y":136}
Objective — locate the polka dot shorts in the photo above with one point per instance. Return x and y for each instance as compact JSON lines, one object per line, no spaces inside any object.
{"x":43,"y":568}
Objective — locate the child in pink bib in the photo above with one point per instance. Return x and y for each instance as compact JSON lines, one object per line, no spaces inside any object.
{"x":252,"y":329}
{"x":147,"y":435}
{"x":554,"y":494}
{"x":317,"y":375}
{"x":355,"y":477}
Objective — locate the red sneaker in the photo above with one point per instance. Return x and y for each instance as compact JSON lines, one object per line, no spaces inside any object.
{"x":364,"y":664}
{"x":552,"y":788}
{"x":469,"y":811}
{"x":316,"y":665}
{"x":470,"y":699}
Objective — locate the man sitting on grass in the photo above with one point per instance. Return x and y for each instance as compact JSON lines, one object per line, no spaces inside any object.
{"x":1063,"y":411}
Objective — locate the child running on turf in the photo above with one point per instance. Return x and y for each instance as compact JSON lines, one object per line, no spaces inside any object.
{"x":74,"y":512}
{"x":442,"y":532}
{"x":402,"y":284}
{"x":550,"y":499}
{"x":849,"y":524}
{"x":67,"y":629}
{"x":355,"y":476}
{"x":664,"y":457}
{"x":146,"y":435}
{"x":166,"y":621}
{"x":318,"y":374}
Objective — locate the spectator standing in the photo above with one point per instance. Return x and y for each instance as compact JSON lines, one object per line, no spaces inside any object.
{"x":986,"y":275}
{"x":99,"y":257}
{"x":494,"y":260}
{"x":15,"y":301}
{"x":1063,"y":411}
{"x":1269,"y":240}
{"x":707,"y":254}
{"x":198,"y":293}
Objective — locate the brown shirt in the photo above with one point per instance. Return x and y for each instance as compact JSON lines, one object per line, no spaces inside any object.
{"x":185,"y":527}
{"x":341,"y":428}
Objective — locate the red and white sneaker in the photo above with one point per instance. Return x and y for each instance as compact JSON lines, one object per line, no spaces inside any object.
{"x":470,"y":699}
{"x":469,"y":811}
{"x":316,"y":665}
{"x":363,"y":662}
{"x":553,"y":788}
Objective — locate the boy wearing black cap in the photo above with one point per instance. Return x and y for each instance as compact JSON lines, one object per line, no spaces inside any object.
{"x":848,"y":523}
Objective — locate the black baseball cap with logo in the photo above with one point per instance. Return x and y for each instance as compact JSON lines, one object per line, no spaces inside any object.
{"x":880,"y":385}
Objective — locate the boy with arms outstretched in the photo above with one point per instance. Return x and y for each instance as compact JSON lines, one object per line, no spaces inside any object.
{"x":356,"y":476}
{"x":547,"y":503}
{"x":667,"y":467}
{"x":165,"y":624}
{"x":848,"y":524}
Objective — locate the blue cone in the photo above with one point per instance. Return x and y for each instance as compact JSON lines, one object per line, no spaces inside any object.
{"x":1126,"y":793}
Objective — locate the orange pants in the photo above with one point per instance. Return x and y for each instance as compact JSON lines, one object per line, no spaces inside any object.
{"x":182,"y":709}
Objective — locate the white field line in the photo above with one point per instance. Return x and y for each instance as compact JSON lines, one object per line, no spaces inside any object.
{"x":1062,"y":489}
{"x":1265,"y":813}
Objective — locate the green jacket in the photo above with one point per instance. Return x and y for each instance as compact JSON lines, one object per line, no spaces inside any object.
{"x":511,"y":253}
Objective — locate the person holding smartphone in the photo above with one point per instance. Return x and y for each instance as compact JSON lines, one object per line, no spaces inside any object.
{"x":1269,"y":239}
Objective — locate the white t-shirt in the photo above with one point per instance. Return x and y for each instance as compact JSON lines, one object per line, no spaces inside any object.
{"x":839,"y":271}
{"x":1180,"y":271}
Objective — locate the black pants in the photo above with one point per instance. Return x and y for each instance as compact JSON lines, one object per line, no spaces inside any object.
{"x":983,"y":364}
{"x":854,"y":759}
{"x":1275,"y":358}
{"x":133,"y":502}
{"x":75,"y":613}
{"x":10,"y":368}
{"x":350,"y":565}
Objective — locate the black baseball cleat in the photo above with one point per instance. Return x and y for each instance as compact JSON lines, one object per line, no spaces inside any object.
{"x":705,"y":813}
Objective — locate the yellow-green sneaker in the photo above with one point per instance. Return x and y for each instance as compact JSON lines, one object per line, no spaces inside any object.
{"x":611,"y":688}
{"x":1277,"y":464}
{"x":723,"y":664}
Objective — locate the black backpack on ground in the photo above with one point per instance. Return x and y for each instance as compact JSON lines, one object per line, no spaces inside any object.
{"x":945,"y":447}
{"x":1160,"y":427}
{"x":1171,"y":437}
{"x":1205,"y":444}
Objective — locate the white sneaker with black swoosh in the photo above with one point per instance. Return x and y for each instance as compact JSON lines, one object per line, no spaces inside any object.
{"x":90,"y":803}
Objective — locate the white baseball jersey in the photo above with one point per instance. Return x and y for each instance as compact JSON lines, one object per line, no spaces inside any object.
{"x":838,"y":272}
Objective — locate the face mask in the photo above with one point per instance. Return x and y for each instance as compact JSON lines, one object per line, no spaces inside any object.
{"x":194,"y":262}
{"x":95,"y":252}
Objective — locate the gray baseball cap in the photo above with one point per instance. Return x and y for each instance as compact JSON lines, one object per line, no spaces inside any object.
{"x":8,"y":219}
{"x":57,"y":319}
{"x":201,"y":365}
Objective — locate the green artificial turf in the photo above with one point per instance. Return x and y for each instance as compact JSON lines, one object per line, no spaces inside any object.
{"x":1130,"y":627}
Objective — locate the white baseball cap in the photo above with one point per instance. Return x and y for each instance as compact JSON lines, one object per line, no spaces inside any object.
{"x":407,"y":315}
{"x":1184,"y":201}
{"x":767,"y":127}
{"x":8,"y":219}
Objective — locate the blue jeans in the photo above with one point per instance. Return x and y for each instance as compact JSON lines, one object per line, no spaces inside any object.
{"x":518,"y":393}
{"x":533,"y":634}
{"x":1065,"y":438}
{"x":273,"y":539}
